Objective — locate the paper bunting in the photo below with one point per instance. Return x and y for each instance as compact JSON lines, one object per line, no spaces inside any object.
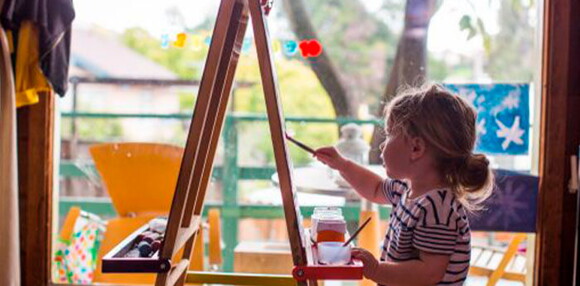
{"x":289,"y":48}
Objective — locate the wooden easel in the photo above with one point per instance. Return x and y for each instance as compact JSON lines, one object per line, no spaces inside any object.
{"x":207,"y":122}
{"x":197,"y":163}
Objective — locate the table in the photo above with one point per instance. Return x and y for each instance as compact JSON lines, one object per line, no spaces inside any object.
{"x":319,"y":179}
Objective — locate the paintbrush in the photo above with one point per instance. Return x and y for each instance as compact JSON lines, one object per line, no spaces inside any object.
{"x":300,"y":144}
{"x":355,"y":234}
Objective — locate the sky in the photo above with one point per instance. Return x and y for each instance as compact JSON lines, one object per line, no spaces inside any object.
{"x":118,"y":15}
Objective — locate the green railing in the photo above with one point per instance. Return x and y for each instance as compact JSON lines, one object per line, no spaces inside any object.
{"x":229,"y":174}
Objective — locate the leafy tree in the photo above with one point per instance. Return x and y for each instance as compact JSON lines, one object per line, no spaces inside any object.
{"x":410,"y":61}
{"x":301,"y":94}
{"x":356,"y":48}
{"x":366,"y":56}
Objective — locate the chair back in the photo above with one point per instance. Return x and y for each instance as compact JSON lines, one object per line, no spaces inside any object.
{"x":139,"y":177}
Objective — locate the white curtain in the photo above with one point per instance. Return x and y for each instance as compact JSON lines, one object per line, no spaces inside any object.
{"x":9,"y":238}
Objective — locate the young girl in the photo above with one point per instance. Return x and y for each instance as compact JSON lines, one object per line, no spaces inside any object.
{"x":434,"y":179}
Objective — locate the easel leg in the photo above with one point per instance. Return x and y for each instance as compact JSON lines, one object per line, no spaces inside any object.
{"x":217,"y":107}
{"x":225,"y":80}
{"x":206,"y":125}
{"x":183,"y":192}
{"x":276,"y":122}
{"x":189,"y":246}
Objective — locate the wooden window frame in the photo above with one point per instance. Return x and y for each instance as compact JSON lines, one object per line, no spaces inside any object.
{"x":559,"y":138}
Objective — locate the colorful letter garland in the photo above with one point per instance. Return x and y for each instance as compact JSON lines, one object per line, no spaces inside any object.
{"x":308,"y":48}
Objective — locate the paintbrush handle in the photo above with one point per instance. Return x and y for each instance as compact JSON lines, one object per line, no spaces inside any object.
{"x":300,"y":144}
{"x":355,"y":234}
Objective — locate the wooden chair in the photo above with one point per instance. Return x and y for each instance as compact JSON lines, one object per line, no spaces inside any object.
{"x":140,"y":179}
{"x":512,"y":208}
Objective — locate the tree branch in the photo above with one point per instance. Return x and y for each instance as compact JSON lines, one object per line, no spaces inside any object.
{"x":343,"y":102}
{"x":410,"y":65}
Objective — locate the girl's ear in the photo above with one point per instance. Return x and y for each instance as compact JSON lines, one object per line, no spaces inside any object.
{"x":418,"y":148}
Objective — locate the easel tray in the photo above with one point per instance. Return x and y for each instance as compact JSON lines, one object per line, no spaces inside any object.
{"x":118,"y":259}
{"x":314,"y":270}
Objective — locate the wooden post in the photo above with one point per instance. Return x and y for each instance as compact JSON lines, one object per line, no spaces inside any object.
{"x":35,"y":182}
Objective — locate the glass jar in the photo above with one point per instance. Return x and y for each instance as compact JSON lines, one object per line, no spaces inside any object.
{"x":329,"y":222}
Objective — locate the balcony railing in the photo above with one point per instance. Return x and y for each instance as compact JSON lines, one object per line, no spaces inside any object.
{"x":229,"y":173}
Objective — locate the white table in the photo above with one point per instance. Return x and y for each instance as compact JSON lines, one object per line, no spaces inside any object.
{"x":320,"y":180}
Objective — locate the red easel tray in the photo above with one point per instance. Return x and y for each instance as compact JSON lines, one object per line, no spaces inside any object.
{"x":316,"y":271}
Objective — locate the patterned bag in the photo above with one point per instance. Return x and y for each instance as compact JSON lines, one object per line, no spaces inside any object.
{"x":75,"y":259}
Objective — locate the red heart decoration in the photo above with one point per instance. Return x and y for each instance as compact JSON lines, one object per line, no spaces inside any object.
{"x":310,"y":48}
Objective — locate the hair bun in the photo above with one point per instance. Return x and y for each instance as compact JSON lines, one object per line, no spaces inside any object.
{"x":476,"y":174}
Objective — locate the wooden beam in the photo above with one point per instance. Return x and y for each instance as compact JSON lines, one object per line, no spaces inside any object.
{"x":35,"y":182}
{"x":559,"y":138}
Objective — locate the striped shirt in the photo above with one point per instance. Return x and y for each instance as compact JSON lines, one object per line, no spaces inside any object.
{"x":433,"y":222}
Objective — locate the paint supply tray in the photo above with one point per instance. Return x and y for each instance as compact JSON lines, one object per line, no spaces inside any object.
{"x":123,"y":259}
{"x":314,"y":270}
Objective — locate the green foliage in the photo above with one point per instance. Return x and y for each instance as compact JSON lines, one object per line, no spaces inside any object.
{"x":510,"y":52}
{"x":437,"y":69}
{"x":186,"y":101}
{"x":300,"y":92}
{"x":466,"y":23}
{"x":93,"y":129}
{"x":358,"y":42}
{"x":513,"y":49}
{"x":361,"y":45}
{"x":301,"y":95}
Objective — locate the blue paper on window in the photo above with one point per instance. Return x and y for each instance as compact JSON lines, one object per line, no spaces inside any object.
{"x":503,"y":116}
{"x":512,"y":206}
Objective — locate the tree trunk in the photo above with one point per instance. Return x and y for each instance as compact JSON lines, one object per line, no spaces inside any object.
{"x":410,"y":64}
{"x":343,"y":102}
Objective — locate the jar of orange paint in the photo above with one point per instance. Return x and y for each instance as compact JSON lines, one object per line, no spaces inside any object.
{"x":328,"y":224}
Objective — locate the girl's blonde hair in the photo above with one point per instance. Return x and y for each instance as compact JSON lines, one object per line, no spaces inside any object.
{"x":447,"y":123}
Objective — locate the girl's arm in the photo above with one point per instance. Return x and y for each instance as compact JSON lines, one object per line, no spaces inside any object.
{"x":429,"y":269}
{"x":366,"y":182}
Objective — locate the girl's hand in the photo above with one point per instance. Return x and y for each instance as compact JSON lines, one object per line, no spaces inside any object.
{"x":370,"y":264}
{"x":330,"y":157}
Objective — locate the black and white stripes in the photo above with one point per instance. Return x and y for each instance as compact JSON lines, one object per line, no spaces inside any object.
{"x":434,"y":222}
